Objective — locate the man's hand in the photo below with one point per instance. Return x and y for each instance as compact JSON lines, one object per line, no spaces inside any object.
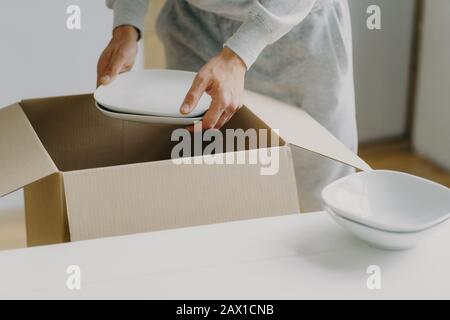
{"x":223,"y":79}
{"x":119,"y":55}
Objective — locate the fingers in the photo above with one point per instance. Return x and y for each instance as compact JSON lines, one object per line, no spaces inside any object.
{"x":224,"y":118}
{"x":119,"y":55}
{"x":213,"y":114}
{"x":218,"y":114}
{"x":117,"y":64}
{"x":103,"y":64}
{"x":194,"y":94}
{"x":204,"y":125}
{"x":196,"y":127}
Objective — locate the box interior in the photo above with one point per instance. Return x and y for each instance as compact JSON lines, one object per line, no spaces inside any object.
{"x":77,"y":136}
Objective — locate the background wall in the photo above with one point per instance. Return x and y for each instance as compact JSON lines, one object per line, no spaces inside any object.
{"x":382,"y":60}
{"x":40,"y":57}
{"x":432,"y":118}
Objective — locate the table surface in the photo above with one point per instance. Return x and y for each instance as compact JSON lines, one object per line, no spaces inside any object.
{"x":289,"y":257}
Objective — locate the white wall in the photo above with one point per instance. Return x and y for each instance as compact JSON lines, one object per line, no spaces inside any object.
{"x":40,"y":57}
{"x":382,"y":67}
{"x":432,"y":118}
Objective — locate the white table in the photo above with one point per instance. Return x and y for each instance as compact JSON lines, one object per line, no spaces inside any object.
{"x":292,"y":257}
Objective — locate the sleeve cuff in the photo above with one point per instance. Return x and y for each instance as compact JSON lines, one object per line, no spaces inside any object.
{"x":130,"y":12}
{"x":250,"y":39}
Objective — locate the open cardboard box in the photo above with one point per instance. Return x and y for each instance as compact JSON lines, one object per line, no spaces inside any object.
{"x":89,"y":176}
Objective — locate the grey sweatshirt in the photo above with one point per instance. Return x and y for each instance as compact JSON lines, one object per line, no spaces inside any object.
{"x":263,"y":21}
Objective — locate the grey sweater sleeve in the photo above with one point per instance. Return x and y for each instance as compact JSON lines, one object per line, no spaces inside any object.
{"x":129,"y":12}
{"x":266,"y":22}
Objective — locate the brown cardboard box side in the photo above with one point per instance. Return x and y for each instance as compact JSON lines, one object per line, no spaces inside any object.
{"x":46,"y":212}
{"x":178,"y":196}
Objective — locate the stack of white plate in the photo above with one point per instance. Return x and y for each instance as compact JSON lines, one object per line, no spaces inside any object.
{"x":388,"y":209}
{"x":152,"y":96}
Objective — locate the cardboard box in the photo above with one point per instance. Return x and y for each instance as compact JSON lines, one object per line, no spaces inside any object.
{"x":88,"y":176}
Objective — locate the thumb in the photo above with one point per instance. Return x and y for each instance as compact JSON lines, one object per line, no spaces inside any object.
{"x":194,"y":94}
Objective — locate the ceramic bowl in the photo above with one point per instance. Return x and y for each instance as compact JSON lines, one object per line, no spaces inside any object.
{"x":389,"y":200}
{"x":381,"y":239}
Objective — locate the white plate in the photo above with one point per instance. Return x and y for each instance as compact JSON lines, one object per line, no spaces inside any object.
{"x":389,"y":200}
{"x":148,"y":119}
{"x":150,"y":92}
{"x":378,"y":238}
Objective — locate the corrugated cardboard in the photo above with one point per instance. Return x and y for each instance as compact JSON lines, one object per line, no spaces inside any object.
{"x":23,"y":159}
{"x":90,"y":176}
{"x":300,"y":129}
{"x":45,"y":211}
{"x":178,"y":196}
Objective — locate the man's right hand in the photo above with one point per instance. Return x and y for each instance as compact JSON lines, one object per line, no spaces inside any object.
{"x":119,"y":55}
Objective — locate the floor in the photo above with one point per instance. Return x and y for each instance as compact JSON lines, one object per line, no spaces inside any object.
{"x":395,"y":155}
{"x":12,"y":221}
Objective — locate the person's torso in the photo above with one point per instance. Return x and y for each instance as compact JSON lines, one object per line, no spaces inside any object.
{"x":236,"y":9}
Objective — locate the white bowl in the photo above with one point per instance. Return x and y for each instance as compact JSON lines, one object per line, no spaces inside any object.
{"x":150,"y":93}
{"x":389,"y":200}
{"x":148,"y":119}
{"x":381,"y":239}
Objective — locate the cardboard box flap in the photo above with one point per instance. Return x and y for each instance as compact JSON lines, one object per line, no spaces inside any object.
{"x":293,"y":123}
{"x":23,"y":158}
